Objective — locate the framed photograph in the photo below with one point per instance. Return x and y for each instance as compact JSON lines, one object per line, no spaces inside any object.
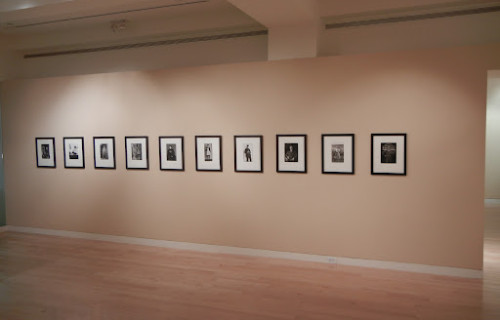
{"x":136,"y":153}
{"x":74,"y":153}
{"x":104,"y":153}
{"x":45,"y":152}
{"x":337,"y":153}
{"x":208,"y":153}
{"x":172,"y":153}
{"x":291,"y":152}
{"x":389,"y":153}
{"x":248,"y":153}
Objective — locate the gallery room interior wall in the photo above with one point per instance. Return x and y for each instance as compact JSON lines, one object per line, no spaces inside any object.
{"x":431,"y":216}
{"x":492,"y":172}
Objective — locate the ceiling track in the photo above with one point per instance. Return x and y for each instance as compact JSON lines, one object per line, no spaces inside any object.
{"x":367,"y":22}
{"x":35,"y":24}
{"x":148,"y":44}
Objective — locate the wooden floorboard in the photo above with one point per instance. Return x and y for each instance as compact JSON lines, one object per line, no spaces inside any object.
{"x":47,"y":277}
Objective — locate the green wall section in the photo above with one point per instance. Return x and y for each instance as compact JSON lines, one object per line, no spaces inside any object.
{"x":3,"y":221}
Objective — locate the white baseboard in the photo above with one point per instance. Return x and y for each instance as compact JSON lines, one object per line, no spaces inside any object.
{"x":3,"y":229}
{"x":408,"y":267}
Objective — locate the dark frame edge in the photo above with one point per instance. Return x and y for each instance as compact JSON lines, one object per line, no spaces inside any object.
{"x":261,"y":138}
{"x":220,"y":155}
{"x":83,"y":152}
{"x":114,"y":153}
{"x":352,"y":135}
{"x":53,"y":146}
{"x":147,"y":152}
{"x":182,"y":151}
{"x":305,"y":152}
{"x":405,"y":154}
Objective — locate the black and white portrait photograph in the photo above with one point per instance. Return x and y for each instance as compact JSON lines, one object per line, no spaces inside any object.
{"x":74,"y":156}
{"x":136,"y":152}
{"x":248,"y":153}
{"x":389,"y":153}
{"x":171,"y":153}
{"x":208,"y":151}
{"x":104,"y":153}
{"x":338,"y":153}
{"x":45,"y":152}
{"x":291,"y":153}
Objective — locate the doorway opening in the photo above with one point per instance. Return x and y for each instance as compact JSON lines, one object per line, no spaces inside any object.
{"x":491,"y":251}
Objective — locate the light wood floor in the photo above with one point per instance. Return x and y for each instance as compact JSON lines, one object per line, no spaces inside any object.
{"x":45,"y":277}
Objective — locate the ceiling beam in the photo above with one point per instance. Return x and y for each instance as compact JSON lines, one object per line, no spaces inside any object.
{"x":294,"y":26}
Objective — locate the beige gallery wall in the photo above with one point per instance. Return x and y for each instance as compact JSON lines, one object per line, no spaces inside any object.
{"x":433,"y":215}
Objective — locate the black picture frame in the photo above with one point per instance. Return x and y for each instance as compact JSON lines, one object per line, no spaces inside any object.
{"x":45,"y":152}
{"x":337,"y":153}
{"x":388,"y":153}
{"x":248,"y":153}
{"x":136,"y":153}
{"x":291,"y":153}
{"x":171,"y":160}
{"x":104,"y":152}
{"x":74,"y":152}
{"x":208,"y":153}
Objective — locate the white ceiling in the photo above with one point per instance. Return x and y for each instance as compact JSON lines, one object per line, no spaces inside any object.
{"x":63,"y":14}
{"x":14,"y":14}
{"x":294,"y":28}
{"x":42,"y":24}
